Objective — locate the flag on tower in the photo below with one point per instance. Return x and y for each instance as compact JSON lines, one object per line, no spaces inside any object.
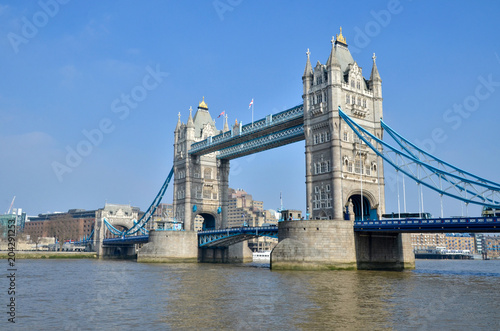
{"x":251,"y":104}
{"x":221,"y":114}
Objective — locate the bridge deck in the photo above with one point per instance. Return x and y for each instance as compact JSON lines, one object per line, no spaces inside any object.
{"x":267,"y":126}
{"x":454,"y":224}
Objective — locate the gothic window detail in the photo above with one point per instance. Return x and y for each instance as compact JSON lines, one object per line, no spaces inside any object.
{"x":207,"y":173}
{"x":352,"y":83}
{"x":316,"y":141}
{"x":346,"y":136}
{"x":358,"y":85}
{"x":364,"y":103}
{"x":347,"y":99}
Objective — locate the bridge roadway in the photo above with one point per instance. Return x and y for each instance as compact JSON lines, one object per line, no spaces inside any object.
{"x":230,"y":236}
{"x":272,"y":131}
{"x":452,"y":224}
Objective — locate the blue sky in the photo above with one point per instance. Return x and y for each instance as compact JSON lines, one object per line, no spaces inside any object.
{"x":66,"y":65}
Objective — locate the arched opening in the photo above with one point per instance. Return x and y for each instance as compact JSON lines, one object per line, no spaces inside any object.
{"x":368,"y":212}
{"x":208,"y":221}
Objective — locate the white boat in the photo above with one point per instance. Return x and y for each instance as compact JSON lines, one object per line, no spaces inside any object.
{"x":262,"y":256}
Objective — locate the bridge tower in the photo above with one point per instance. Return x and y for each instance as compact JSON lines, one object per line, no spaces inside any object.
{"x":344,"y":177}
{"x":200,"y":182}
{"x":341,"y":171}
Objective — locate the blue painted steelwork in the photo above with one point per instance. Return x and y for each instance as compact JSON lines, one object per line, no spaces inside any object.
{"x":86,"y":239}
{"x":468,"y":190}
{"x":130,"y":240}
{"x":271,"y":123}
{"x":454,"y":224}
{"x":139,"y":225}
{"x":280,"y":138}
{"x":230,"y":236}
{"x":418,"y":153}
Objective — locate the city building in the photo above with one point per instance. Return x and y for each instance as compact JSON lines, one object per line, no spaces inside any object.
{"x":17,"y":218}
{"x":72,"y":225}
{"x":243,"y":210}
{"x":460,"y":241}
{"x":491,"y":246}
{"x":423,"y":241}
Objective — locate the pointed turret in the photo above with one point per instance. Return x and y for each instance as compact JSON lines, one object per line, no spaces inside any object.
{"x":308,"y":74}
{"x":308,"y":70}
{"x":190,"y":123}
{"x":332,"y":59}
{"x":375,"y":76}
{"x":178,"y":126}
{"x":226,"y":127}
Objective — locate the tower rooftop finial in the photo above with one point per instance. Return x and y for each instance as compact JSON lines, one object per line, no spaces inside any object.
{"x":340,"y":38}
{"x":308,"y":53}
{"x":202,"y":104}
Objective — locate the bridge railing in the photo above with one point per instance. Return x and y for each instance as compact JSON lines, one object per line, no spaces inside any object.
{"x":429,"y":224}
{"x":281,"y":117}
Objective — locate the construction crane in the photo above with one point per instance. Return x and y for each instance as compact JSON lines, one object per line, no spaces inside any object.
{"x":11,"y":204}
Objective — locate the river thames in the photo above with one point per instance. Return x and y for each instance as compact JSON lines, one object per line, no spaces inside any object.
{"x":125,"y":295}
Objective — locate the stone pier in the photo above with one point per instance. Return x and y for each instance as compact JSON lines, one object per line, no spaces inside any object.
{"x":170,"y":246}
{"x":333,"y":245}
{"x":237,"y":253}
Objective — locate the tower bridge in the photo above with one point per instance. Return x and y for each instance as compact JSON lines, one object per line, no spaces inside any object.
{"x":341,"y":124}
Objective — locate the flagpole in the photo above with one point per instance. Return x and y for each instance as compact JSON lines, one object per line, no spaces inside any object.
{"x":252,"y":113}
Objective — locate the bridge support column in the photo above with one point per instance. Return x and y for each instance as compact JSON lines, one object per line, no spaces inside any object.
{"x":237,"y":253}
{"x":333,"y":245}
{"x":123,"y":252}
{"x":170,"y":246}
{"x":384,"y":251}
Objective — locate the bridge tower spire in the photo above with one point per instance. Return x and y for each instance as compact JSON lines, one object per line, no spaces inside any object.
{"x":200,"y":182}
{"x":338,"y":164}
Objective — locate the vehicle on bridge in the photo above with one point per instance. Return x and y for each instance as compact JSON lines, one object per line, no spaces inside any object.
{"x":407,"y":215}
{"x":490,"y":212}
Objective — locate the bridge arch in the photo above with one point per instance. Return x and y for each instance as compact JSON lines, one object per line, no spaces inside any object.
{"x":363,"y":203}
{"x":209,"y":220}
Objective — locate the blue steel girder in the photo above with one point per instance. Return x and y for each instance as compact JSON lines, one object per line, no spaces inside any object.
{"x":228,"y":237}
{"x":270,"y":124}
{"x":129,"y":240}
{"x":441,"y":225}
{"x":468,"y":190}
{"x":262,"y":143}
{"x":430,"y":159}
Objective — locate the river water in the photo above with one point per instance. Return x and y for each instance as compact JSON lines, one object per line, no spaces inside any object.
{"x":125,"y":295}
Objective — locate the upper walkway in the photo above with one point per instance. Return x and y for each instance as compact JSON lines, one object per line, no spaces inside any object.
{"x":272,"y":131}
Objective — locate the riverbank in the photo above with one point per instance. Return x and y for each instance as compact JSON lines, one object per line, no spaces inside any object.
{"x":49,"y":255}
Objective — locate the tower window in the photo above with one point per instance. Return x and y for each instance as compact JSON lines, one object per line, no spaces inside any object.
{"x":347,"y":99}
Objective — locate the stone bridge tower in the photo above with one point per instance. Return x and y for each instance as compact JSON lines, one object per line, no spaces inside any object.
{"x":341,"y":171}
{"x":200,"y":182}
